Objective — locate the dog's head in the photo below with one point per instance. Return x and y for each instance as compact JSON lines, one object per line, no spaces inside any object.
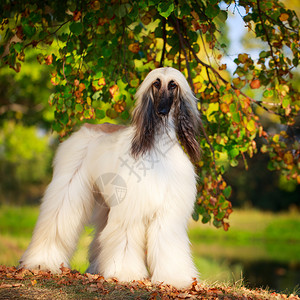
{"x":164,"y":101}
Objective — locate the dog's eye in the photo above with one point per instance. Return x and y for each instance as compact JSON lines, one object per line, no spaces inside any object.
{"x":157,"y":83}
{"x":172,"y":85}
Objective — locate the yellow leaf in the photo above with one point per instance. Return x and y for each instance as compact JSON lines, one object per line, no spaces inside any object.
{"x":101,"y":81}
{"x":236,"y":81}
{"x":227,"y":98}
{"x":276,"y":138}
{"x":251,"y":125}
{"x":224,"y":108}
{"x":134,"y":47}
{"x":212,"y":107}
{"x":131,"y":35}
{"x":197,"y":87}
{"x":89,"y":101}
{"x":33,"y":282}
{"x":288,"y":158}
{"x":243,"y":57}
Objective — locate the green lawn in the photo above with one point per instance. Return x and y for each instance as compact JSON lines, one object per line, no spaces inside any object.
{"x":253,"y":235}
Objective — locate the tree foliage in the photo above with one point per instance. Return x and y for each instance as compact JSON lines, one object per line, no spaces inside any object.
{"x":100,"y":51}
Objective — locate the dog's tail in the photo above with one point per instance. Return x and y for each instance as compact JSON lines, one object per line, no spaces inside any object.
{"x":66,"y":206}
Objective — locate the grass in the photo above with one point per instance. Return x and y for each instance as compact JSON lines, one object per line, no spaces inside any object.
{"x":253,"y":235}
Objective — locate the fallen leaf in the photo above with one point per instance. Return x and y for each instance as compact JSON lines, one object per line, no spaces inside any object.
{"x":33,"y":282}
{"x":5,"y":286}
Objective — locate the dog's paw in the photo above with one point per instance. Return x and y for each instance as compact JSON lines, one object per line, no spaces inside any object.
{"x":35,"y":267}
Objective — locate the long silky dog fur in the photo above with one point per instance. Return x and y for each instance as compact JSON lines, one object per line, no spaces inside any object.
{"x":142,"y":232}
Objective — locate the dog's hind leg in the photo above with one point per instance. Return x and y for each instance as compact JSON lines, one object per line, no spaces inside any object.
{"x":67,"y":205}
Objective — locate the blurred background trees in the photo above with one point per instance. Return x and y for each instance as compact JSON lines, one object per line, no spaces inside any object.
{"x":82,"y":61}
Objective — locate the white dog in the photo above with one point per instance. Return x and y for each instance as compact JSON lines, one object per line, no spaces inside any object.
{"x":135,"y":183}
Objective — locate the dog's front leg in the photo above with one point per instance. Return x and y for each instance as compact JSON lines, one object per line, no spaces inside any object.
{"x":122,"y":249}
{"x":168,"y":250}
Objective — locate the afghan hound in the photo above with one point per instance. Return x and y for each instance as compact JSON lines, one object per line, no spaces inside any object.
{"x":135,"y":184}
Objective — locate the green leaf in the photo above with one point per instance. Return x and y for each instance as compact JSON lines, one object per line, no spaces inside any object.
{"x":268,"y":93}
{"x":57,"y":127}
{"x":121,"y":11}
{"x":43,"y":34}
{"x":271,"y":166}
{"x":234,"y":163}
{"x":206,"y":218}
{"x":134,"y":12}
{"x":212,"y":11}
{"x":195,"y":216}
{"x":225,"y":204}
{"x":34,"y":17}
{"x":100,"y":114}
{"x":263,"y":54}
{"x":67,"y":69}
{"x":232,"y":107}
{"x":76,"y":28}
{"x":125,"y":115}
{"x":86,"y":114}
{"x":165,"y":8}
{"x":29,"y":31}
{"x":18,"y":47}
{"x":234,"y":152}
{"x":217,"y":223}
{"x":70,"y":46}
{"x":223,"y":15}
{"x":236,"y":117}
{"x":295,"y":61}
{"x":96,"y":95}
{"x":107,"y":52}
{"x":285,"y":102}
{"x":64,"y":118}
{"x":227,"y":191}
{"x":63,"y":37}
{"x":79,"y":108}
{"x":220,"y":215}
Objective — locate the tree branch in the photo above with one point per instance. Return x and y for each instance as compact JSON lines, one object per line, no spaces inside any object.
{"x":165,"y":42}
{"x":207,"y":66}
{"x":181,"y":41}
{"x":267,"y":37}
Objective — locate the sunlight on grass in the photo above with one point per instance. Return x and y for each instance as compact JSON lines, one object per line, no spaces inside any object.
{"x":80,"y":260}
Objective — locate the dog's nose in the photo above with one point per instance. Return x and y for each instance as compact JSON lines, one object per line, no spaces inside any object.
{"x":163,"y":111}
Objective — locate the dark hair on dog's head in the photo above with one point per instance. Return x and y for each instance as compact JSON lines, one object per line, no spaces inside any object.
{"x":163,"y":94}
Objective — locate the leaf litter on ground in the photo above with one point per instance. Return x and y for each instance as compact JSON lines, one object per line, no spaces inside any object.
{"x":71,"y":284}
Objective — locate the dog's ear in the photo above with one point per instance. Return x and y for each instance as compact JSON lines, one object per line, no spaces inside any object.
{"x":188,"y":128}
{"x":144,"y":120}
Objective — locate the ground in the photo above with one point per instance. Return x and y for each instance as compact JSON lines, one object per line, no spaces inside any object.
{"x":70,"y":284}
